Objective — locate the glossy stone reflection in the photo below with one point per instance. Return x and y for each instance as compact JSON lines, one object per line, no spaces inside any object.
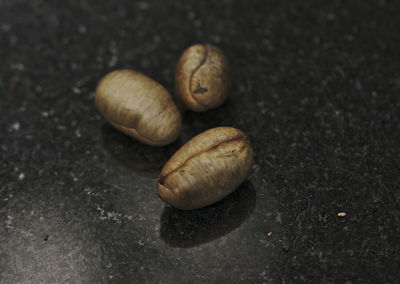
{"x":181,"y":228}
{"x":143,"y":159}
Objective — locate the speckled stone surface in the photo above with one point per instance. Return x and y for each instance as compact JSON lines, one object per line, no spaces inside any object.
{"x":316,"y":88}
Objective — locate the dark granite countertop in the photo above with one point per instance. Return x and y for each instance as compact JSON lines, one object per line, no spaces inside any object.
{"x":316,"y":88}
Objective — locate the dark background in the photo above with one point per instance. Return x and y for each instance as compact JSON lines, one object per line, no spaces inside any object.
{"x":316,"y":88}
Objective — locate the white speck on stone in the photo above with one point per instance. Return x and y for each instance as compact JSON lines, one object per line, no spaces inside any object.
{"x":102,"y":217}
{"x":90,"y":192}
{"x":112,"y":216}
{"x":82,"y":29}
{"x":198,"y":23}
{"x":261,"y":105}
{"x":143,"y":5}
{"x":217,"y":39}
{"x":330,"y":16}
{"x":45,"y":114}
{"x":74,"y":177}
{"x":141,"y":243}
{"x":191,"y":15}
{"x":145,"y":62}
{"x":41,"y":219}
{"x":278,"y":218}
{"x":13,"y":41}
{"x":6,"y":27}
{"x":18,"y":66}
{"x":264,"y":274}
{"x":114,"y":54}
{"x":157,"y":38}
{"x":22,"y":108}
{"x":9,"y":222}
{"x":26,"y":233}
{"x":99,"y":59}
{"x":113,"y":61}
{"x":15,"y":126}
{"x":21,"y":176}
{"x":74,"y":66}
{"x":76,"y":90}
{"x":78,"y":133}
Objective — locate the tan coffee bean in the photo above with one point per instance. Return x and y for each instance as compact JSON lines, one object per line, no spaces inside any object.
{"x":139,"y":107}
{"x":206,"y":169}
{"x":203,"y":77}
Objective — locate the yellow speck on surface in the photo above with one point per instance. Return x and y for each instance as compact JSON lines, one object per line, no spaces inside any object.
{"x":269,"y":234}
{"x":341,"y":214}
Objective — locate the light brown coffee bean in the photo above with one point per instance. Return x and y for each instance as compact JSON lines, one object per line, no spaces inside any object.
{"x":206,"y":169}
{"x":139,"y":107}
{"x":203,"y":77}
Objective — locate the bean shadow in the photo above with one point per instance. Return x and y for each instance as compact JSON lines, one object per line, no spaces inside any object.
{"x":180,"y":228}
{"x":195,"y":123}
{"x":143,"y":159}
